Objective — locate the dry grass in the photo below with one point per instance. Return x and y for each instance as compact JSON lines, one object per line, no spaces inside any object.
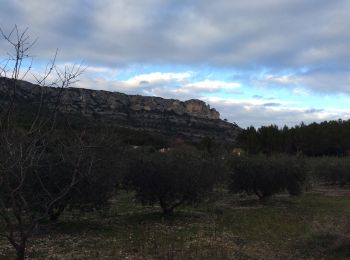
{"x":314,"y":225}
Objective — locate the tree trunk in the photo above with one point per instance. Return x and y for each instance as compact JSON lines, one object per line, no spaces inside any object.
{"x":168,"y":211}
{"x":54,"y":214}
{"x":257,"y":193}
{"x":20,"y":251}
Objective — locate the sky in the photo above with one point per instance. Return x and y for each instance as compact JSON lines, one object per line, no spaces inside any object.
{"x":258,"y":62}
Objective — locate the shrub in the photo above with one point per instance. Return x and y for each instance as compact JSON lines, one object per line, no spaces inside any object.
{"x":265,"y":176}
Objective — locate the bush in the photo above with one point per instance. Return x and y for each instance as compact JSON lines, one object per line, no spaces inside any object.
{"x":332,"y":170}
{"x":172,"y":178}
{"x":265,"y":176}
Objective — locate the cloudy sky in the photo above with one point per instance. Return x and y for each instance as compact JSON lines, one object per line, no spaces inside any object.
{"x":258,"y":62}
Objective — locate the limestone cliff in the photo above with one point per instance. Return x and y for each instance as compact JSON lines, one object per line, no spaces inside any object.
{"x":192,"y":118}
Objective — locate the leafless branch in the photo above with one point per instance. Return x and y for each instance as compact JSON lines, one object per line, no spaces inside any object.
{"x":23,"y":148}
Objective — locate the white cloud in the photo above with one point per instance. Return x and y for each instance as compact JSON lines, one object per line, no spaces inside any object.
{"x":181,"y":85}
{"x":210,"y":86}
{"x":246,"y":102}
{"x":156,"y":78}
{"x":254,"y":112}
{"x":281,"y":79}
{"x":301,"y":92}
{"x":102,"y":71}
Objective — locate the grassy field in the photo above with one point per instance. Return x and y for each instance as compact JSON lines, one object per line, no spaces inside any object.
{"x":314,"y":225}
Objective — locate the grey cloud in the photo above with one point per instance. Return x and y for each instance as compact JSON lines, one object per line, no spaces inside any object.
{"x":268,"y":32}
{"x":144,"y":82}
{"x":327,"y":81}
{"x":272,"y":104}
{"x":260,"y":97}
{"x":313,"y":110}
{"x":324,"y":79}
{"x":245,"y":35}
{"x":248,"y":114}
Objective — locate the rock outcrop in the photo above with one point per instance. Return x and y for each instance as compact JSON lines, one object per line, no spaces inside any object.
{"x":192,"y":118}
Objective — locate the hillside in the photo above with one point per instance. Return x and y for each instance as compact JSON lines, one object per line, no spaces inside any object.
{"x":189,"y":119}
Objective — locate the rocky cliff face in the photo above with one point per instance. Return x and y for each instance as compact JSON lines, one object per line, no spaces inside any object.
{"x":192,"y":118}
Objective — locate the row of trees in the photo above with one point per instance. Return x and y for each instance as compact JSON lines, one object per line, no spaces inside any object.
{"x":50,"y":163}
{"x":326,"y":138}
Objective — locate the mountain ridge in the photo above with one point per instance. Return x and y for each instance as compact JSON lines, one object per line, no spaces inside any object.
{"x":192,"y":118}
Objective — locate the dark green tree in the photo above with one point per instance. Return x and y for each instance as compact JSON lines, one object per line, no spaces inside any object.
{"x":172,"y":178}
{"x":266,"y":176}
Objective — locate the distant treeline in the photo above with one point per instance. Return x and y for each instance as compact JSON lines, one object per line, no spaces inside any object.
{"x":316,"y":139}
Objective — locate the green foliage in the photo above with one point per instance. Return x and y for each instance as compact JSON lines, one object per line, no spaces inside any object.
{"x":143,"y":138}
{"x":248,"y":140}
{"x":180,"y":175}
{"x":332,"y":170}
{"x":326,"y":138}
{"x":88,"y":172}
{"x":98,"y":183}
{"x":265,"y":176}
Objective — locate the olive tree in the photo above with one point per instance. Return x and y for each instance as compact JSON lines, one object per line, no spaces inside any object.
{"x":97,"y":185}
{"x":265,"y":176}
{"x":332,"y":170}
{"x":171,"y":178}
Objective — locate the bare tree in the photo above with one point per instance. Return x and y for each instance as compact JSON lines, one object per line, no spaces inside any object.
{"x":30,"y":154}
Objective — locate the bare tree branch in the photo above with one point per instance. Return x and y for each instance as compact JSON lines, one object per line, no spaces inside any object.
{"x":26,"y":153}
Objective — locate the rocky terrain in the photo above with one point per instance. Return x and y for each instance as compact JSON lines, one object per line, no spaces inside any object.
{"x":192,"y":118}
